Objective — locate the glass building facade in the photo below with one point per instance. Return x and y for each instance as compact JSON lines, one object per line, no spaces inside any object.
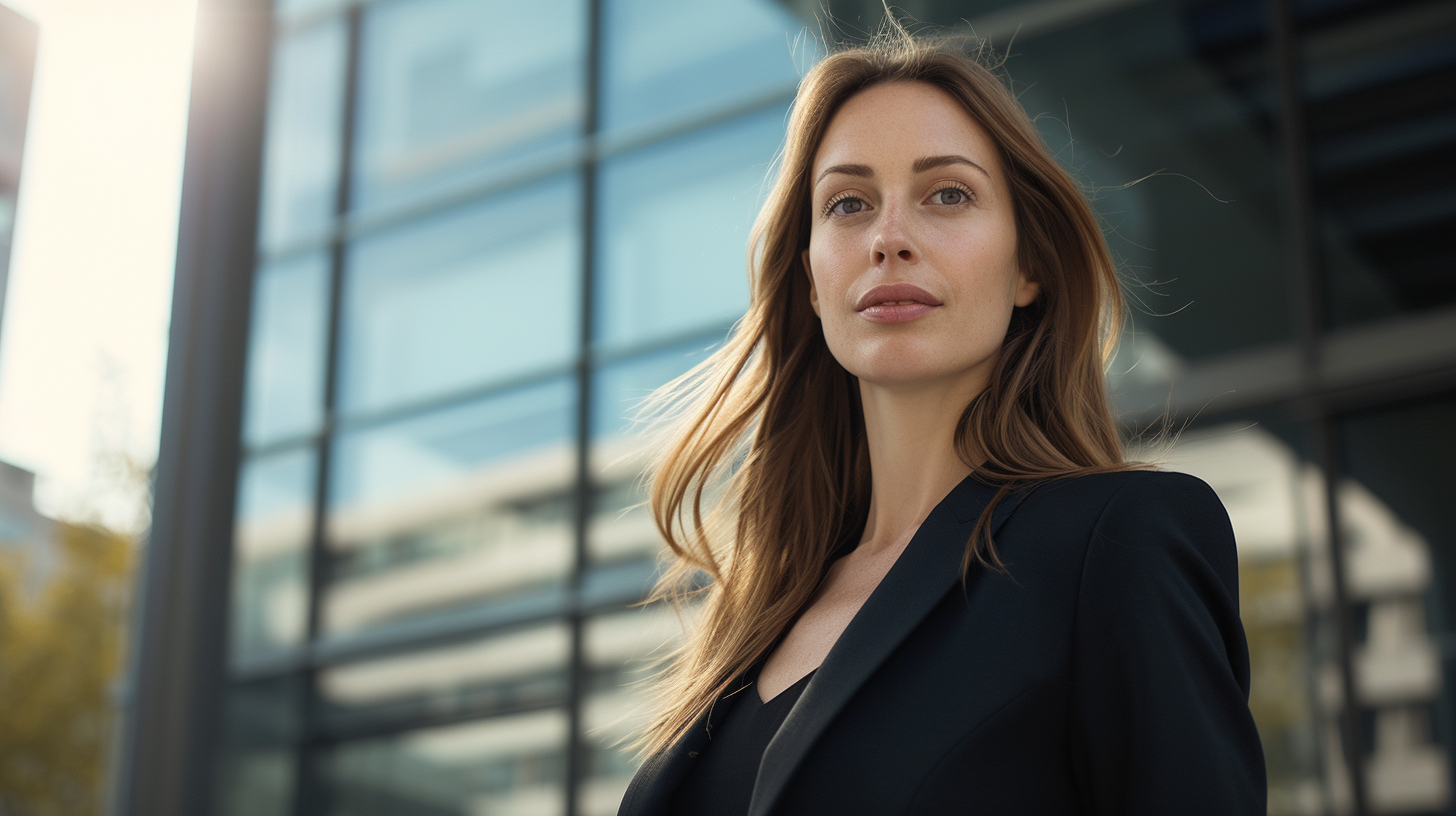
{"x":488,"y":228}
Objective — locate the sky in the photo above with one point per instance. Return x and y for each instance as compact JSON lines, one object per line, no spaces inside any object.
{"x":84,"y":335}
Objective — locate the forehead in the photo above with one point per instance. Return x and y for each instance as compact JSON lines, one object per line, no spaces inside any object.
{"x":897,"y":122}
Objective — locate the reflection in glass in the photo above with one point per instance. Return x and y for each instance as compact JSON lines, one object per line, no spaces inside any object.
{"x":1164,"y":88}
{"x":257,"y":783}
{"x":305,"y":129}
{"x":510,"y":765}
{"x":621,"y":527}
{"x":675,"y":219}
{"x":452,"y":508}
{"x":1380,"y":101}
{"x":455,"y":91}
{"x":285,"y":381}
{"x":274,"y":523}
{"x":622,"y":649}
{"x":258,"y":760}
{"x":1272,"y":495}
{"x":1399,"y":533}
{"x":515,"y":670}
{"x":665,"y":60}
{"x":478,"y":294}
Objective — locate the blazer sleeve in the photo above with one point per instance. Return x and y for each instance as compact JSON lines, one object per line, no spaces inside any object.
{"x":1160,"y":713}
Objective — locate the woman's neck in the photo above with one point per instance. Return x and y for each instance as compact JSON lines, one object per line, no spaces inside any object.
{"x":913,"y":459}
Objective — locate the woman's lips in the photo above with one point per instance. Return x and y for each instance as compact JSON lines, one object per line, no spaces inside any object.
{"x":895,"y":303}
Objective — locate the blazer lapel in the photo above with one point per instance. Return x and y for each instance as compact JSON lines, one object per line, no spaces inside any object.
{"x":920,"y":577}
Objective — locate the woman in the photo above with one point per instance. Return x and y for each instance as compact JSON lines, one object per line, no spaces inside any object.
{"x":937,"y":586}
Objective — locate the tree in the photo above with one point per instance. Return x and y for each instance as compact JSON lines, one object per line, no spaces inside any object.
{"x":59,"y":656}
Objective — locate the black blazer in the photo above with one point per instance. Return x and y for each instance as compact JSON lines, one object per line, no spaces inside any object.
{"x":1106,"y":674}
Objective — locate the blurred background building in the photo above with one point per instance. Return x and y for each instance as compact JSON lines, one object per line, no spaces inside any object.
{"x":434,"y":251}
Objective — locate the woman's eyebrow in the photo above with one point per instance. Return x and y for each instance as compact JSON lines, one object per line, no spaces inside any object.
{"x":932,"y":162}
{"x":861,"y":170}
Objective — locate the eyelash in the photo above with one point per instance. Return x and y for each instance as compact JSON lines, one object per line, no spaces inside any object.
{"x":962,"y":189}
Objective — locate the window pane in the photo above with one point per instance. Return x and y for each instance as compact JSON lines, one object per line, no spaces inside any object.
{"x":1180,"y":90}
{"x":270,"y":559}
{"x":621,"y":526}
{"x":456,"y":91}
{"x":521,"y":669}
{"x":620,"y":651}
{"x":305,"y":126}
{"x":286,"y":349}
{"x":1400,"y":538}
{"x":665,"y":60}
{"x":513,"y":765}
{"x":451,"y":509}
{"x":674,"y":221}
{"x":1380,"y":85}
{"x":478,"y":294}
{"x":258,"y":761}
{"x":1272,"y":493}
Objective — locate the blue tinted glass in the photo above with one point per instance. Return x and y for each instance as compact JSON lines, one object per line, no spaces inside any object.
{"x":619,"y":389}
{"x":480,"y":293}
{"x":621,"y":529}
{"x":286,"y":346}
{"x":451,"y":509}
{"x":270,"y":554}
{"x":305,"y":126}
{"x":455,"y":91}
{"x":666,"y":60}
{"x":674,"y":224}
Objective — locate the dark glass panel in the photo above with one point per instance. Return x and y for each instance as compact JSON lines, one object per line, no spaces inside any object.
{"x":451,"y":509}
{"x":286,"y":349}
{"x":674,"y":221}
{"x":455,"y":92}
{"x":260,"y":726}
{"x":468,"y":297}
{"x":664,"y":60}
{"x":1161,"y":110}
{"x":1380,"y":85}
{"x":274,"y":525}
{"x":305,"y":130}
{"x":511,"y":765}
{"x":1399,"y":527}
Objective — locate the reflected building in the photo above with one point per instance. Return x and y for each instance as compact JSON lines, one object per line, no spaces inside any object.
{"x":487,"y":230}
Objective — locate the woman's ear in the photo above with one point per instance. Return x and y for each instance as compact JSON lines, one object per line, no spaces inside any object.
{"x":1026,"y":290}
{"x":813,"y":293}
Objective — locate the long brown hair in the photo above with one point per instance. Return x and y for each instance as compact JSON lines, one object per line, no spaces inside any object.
{"x":765,"y":471}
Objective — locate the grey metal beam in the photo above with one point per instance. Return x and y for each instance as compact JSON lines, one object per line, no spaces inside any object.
{"x":172,"y":700}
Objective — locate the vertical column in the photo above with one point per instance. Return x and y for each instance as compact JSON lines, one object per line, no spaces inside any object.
{"x":1294,"y":145}
{"x":578,"y":685}
{"x":177,"y":663}
{"x":311,"y":789}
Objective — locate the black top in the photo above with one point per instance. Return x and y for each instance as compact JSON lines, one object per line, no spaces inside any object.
{"x":721,"y":781}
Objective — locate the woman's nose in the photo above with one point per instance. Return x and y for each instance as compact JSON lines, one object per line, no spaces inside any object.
{"x":893,"y":240}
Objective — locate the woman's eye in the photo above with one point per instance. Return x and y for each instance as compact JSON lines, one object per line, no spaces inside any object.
{"x":849,"y":205}
{"x":950,"y":196}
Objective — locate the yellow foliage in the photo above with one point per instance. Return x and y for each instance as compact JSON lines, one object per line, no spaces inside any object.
{"x":59,"y":657}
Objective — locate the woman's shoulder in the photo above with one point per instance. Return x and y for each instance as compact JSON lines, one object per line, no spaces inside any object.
{"x":1140,"y":489}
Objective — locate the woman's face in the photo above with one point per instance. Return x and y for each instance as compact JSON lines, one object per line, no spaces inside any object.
{"x":912,"y":255}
